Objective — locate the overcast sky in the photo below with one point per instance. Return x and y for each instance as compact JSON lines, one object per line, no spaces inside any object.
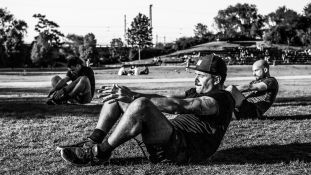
{"x":171,"y":19}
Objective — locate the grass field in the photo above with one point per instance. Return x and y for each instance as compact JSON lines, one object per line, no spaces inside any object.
{"x":30,"y":130}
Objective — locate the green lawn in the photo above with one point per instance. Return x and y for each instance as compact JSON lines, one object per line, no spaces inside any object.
{"x":278,"y":144}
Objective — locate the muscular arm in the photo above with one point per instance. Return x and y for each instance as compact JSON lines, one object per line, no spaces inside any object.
{"x":200,"y":105}
{"x":61,"y":83}
{"x":261,"y":86}
{"x":137,"y":94}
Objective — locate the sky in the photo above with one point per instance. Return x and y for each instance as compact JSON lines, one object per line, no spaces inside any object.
{"x":171,"y":19}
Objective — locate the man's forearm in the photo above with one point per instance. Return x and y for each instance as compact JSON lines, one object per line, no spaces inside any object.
{"x":168,"y":105}
{"x":243,"y":88}
{"x":149,"y":96}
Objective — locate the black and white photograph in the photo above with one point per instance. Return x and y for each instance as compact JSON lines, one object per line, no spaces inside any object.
{"x":162,"y":87}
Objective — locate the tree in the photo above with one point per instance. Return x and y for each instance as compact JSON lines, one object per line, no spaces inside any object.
{"x":88,"y":49}
{"x":12,"y":32}
{"x":140,"y":33}
{"x":49,"y":28}
{"x":202,"y":34}
{"x":307,"y":10}
{"x":200,"y":30}
{"x":116,"y":42}
{"x":282,"y":25}
{"x":40,"y":50}
{"x":47,"y":43}
{"x":186,"y":42}
{"x":116,"y":49}
{"x":240,"y":21}
{"x":74,"y":42}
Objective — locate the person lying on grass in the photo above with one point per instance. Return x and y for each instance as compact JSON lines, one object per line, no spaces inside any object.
{"x":255,"y":98}
{"x":203,"y":115}
{"x":80,"y":90}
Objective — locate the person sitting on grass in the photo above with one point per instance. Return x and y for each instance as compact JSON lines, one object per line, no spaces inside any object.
{"x":255,"y":98}
{"x":203,"y":115}
{"x":145,"y":71}
{"x":122,"y":71}
{"x":80,"y":90}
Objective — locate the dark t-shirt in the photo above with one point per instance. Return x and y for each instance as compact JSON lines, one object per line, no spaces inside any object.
{"x":203,"y":134}
{"x":263,"y":99}
{"x":85,"y":71}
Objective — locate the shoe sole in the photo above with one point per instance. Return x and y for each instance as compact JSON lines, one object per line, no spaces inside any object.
{"x":61,"y":149}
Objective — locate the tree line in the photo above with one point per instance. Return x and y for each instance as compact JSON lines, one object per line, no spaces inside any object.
{"x":239,"y":22}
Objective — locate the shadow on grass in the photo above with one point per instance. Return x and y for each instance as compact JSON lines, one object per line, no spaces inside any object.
{"x":36,"y":108}
{"x":291,"y":117}
{"x":264,"y":154}
{"x":128,"y":161}
{"x":293,"y":101}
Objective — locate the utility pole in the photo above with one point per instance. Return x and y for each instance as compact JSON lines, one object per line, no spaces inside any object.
{"x":150,"y":17}
{"x":125,"y":42}
{"x":150,"y":14}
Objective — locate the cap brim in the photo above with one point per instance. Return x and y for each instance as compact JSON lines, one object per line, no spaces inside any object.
{"x":194,"y":68}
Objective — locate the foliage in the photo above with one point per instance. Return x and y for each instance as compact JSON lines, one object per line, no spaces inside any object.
{"x":241,"y":20}
{"x":49,"y":29}
{"x":307,"y":10}
{"x":75,"y":41}
{"x":43,"y":53}
{"x":116,"y":50}
{"x":12,"y":32}
{"x":88,"y":49}
{"x":140,"y":33}
{"x":283,"y":23}
{"x":45,"y":49}
{"x":186,"y":42}
{"x":200,"y":30}
{"x":116,"y":42}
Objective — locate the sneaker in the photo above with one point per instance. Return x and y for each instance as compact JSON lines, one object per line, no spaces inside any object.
{"x":84,"y":143}
{"x":82,"y":155}
{"x":77,"y":155}
{"x":57,"y":101}
{"x":50,"y":102}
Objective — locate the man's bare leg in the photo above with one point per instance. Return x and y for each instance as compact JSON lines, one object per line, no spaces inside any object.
{"x":108,"y":116}
{"x":236,"y":94}
{"x":55,"y":80}
{"x":142,"y":117}
{"x":83,"y":85}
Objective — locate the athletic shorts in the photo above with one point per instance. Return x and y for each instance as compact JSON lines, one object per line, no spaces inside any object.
{"x":172,"y":152}
{"x":247,"y":110}
{"x":185,"y":146}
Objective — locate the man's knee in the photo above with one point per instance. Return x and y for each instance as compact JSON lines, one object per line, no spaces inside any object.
{"x":55,"y":79}
{"x":231,"y":88}
{"x":140,"y":103}
{"x":236,"y":94}
{"x":84,"y":79}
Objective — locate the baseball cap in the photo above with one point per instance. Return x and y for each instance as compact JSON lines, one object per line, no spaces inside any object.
{"x":211,"y":64}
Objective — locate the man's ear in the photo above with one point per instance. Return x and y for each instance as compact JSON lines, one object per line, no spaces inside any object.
{"x":217,"y":79}
{"x":265,"y":70}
